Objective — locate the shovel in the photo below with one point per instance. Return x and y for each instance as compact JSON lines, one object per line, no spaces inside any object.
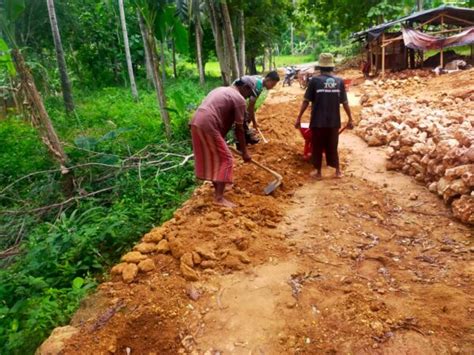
{"x":261,"y":135}
{"x":271,"y":186}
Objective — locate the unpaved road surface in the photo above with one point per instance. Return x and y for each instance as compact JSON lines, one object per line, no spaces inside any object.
{"x":336,"y":266}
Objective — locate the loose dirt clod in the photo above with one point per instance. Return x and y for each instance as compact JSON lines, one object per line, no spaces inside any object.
{"x":189,"y":273}
{"x":133,"y":257}
{"x":163,"y":247}
{"x":146,"y":265}
{"x":129,"y":272}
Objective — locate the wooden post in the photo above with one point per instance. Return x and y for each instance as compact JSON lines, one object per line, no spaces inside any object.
{"x":377,"y":57}
{"x":441,"y":53}
{"x":371,"y":61}
{"x":383,"y":55}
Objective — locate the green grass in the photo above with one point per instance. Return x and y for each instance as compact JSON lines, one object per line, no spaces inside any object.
{"x":293,"y":59}
{"x":213,"y":68}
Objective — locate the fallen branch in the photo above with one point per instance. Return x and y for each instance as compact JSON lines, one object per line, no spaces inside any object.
{"x":324,"y":262}
{"x":138,"y":165}
{"x":14,"y":250}
{"x":55,"y":205}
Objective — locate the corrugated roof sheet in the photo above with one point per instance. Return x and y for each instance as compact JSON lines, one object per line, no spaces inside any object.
{"x":462,"y":13}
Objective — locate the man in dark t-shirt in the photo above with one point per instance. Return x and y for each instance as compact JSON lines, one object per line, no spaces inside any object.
{"x":326,"y":93}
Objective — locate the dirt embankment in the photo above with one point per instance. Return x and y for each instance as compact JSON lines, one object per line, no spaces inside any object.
{"x":333,"y":266}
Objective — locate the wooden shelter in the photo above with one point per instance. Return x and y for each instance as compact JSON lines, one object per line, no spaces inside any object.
{"x":401,"y":44}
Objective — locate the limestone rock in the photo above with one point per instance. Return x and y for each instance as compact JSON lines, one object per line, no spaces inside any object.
{"x":155,"y":235}
{"x":146,"y":265}
{"x":117,"y":269}
{"x":189,"y":273}
{"x":196,"y":258}
{"x":458,"y":171}
{"x":432,"y":142}
{"x":187,"y":258}
{"x":463,"y":208}
{"x":129,"y":273}
{"x":206,"y":253}
{"x":145,"y":248}
{"x":208,"y":264}
{"x":163,"y":247}
{"x":243,"y":257}
{"x":455,"y":188}
{"x":468,"y":179}
{"x":133,"y":257}
{"x":233,"y":262}
{"x":177,"y":247}
{"x":54,"y":345}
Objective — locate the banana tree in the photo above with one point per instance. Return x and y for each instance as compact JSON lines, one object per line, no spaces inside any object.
{"x":10,"y":11}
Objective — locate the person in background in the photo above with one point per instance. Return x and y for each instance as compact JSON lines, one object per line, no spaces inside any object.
{"x":269,"y":82}
{"x":326,"y":93}
{"x":223,"y":108}
{"x":290,"y":73}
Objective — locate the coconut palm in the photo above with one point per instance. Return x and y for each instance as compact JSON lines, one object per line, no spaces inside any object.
{"x":128,"y":57}
{"x":62,"y":67}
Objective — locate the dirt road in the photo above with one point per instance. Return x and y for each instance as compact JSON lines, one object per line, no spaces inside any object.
{"x":355,"y":265}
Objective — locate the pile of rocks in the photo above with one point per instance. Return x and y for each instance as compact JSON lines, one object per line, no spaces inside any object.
{"x":433,"y":142}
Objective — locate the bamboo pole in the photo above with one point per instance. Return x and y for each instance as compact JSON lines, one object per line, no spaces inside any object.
{"x":427,"y":22}
{"x":383,"y":56}
{"x":446,"y":31}
{"x":371,"y":54}
{"x":441,"y":53}
{"x":470,"y":23}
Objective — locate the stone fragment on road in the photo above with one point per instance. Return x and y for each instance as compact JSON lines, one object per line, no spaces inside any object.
{"x":145,"y":248}
{"x":206,"y":253}
{"x":163,"y":247}
{"x":133,"y":257}
{"x":54,"y":345}
{"x":146,"y":265}
{"x":187,"y":258}
{"x":177,"y":247}
{"x":117,"y":269}
{"x":189,"y":273}
{"x":129,"y":273}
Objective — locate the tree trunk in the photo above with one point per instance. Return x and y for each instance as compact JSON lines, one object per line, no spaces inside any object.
{"x":149,"y":70}
{"x":264,"y":61}
{"x":173,"y":47}
{"x":198,"y":32}
{"x":65,"y":83}
{"x":230,"y":43}
{"x":160,"y":92}
{"x":242,"y":42}
{"x":251,"y":66}
{"x":292,"y":32}
{"x":218,"y":38}
{"x":42,"y":122}
{"x":162,"y":59}
{"x":128,"y":57}
{"x":419,"y":5}
{"x":270,"y":57}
